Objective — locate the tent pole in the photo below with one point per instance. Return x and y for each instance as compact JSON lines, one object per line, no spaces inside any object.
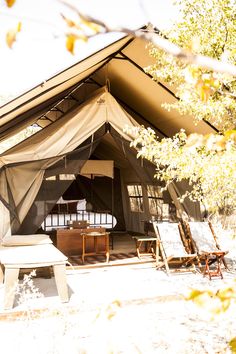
{"x":112,"y":208}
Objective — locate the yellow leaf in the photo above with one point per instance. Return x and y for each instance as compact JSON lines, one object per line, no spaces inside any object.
{"x":70,"y":43}
{"x":193,"y":294}
{"x":232,"y":345}
{"x":19,"y":26}
{"x":72,"y":38}
{"x":230,"y":135}
{"x":93,"y":26}
{"x":112,"y":309}
{"x":11,"y":35}
{"x":70,"y":23}
{"x":10,"y":3}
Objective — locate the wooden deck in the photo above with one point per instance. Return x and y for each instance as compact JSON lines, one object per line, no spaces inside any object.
{"x":122,"y":253}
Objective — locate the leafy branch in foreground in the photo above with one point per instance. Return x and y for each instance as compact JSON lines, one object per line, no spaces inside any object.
{"x":216,"y":303}
{"x":207,"y":162}
{"x":206,"y":28}
{"x":88,"y":26}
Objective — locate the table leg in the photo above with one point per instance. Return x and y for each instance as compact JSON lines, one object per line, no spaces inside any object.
{"x":10,"y":282}
{"x":95,"y":244}
{"x":83,"y":248}
{"x":107,"y":249}
{"x":61,"y":283}
{"x":138,"y":246}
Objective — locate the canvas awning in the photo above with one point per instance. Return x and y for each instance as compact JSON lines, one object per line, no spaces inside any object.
{"x":93,"y":168}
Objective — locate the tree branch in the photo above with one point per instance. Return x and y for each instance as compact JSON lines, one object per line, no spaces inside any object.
{"x":164,"y":44}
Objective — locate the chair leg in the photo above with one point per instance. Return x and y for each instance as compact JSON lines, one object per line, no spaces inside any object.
{"x":207,"y":269}
{"x":225,"y":264}
{"x":220,"y":260}
{"x":165,"y":260}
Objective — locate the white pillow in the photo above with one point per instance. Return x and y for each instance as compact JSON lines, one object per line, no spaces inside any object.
{"x":26,"y":240}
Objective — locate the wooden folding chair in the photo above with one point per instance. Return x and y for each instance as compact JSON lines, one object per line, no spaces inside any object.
{"x":205,"y":244}
{"x":170,"y":245}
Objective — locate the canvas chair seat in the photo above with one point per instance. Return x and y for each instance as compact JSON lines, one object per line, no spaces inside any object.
{"x":171,"y":247}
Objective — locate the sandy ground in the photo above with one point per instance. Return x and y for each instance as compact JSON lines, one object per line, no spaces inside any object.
{"x":123,"y":309}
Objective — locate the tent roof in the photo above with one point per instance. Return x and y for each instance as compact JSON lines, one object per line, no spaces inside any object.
{"x":121,"y":65}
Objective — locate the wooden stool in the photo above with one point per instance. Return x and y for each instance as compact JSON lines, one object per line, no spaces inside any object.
{"x":149,"y":242}
{"x":95,"y":235}
{"x":15,"y":258}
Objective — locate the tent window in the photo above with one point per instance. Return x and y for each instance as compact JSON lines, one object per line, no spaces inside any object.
{"x":165,"y":211}
{"x":155,"y":199}
{"x":66,"y":177}
{"x":135,"y":197}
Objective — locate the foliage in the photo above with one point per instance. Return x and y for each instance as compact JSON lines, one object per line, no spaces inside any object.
{"x":205,"y":28}
{"x":12,"y":35}
{"x":207,"y":162}
{"x":216,"y":303}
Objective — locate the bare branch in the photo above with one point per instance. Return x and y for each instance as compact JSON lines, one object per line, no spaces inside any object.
{"x":164,"y":44}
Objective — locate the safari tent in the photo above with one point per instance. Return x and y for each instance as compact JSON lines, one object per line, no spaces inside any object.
{"x":82,"y":112}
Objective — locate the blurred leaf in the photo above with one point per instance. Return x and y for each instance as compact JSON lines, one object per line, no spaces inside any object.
{"x":203,"y":90}
{"x":11,"y":35}
{"x":230,"y":135}
{"x":10,"y":3}
{"x":72,"y":38}
{"x":70,"y":23}
{"x":70,"y":43}
{"x":19,"y":25}
{"x":194,"y":294}
{"x":93,"y":26}
{"x":90,"y":24}
{"x":232,"y":345}
{"x":112,"y":309}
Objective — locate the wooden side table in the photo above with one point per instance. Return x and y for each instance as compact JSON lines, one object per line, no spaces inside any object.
{"x":95,"y":235}
{"x":210,"y":258}
{"x":149,"y":243}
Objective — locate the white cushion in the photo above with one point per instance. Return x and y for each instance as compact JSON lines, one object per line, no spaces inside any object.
{"x":26,"y":240}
